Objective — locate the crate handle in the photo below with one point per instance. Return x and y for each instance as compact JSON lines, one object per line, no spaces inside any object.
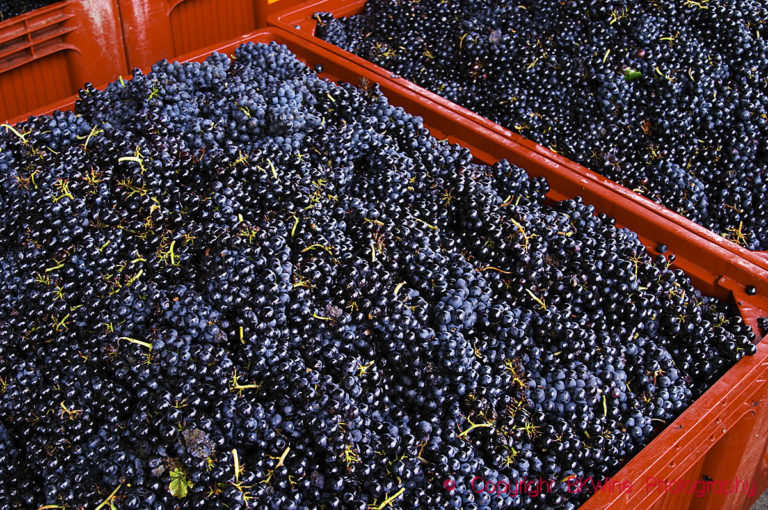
{"x":33,"y":37}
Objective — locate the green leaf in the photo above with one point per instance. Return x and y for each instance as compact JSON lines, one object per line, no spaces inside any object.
{"x":179,"y":483}
{"x":631,"y":74}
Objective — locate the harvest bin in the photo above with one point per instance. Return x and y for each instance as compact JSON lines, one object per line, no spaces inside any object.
{"x":47,"y":54}
{"x":300,"y":20}
{"x":156,"y":29}
{"x":724,"y":434}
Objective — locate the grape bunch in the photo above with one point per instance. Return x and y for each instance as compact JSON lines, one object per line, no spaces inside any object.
{"x":234,"y":284}
{"x":667,"y":98}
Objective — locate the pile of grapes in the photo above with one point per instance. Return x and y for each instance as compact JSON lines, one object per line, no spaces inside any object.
{"x":233,"y":284}
{"x":11,"y":8}
{"x":669,"y":99}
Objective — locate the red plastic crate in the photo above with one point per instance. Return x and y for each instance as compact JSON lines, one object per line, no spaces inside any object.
{"x":300,"y":20}
{"x":156,"y":29}
{"x":268,"y":7}
{"x":48,"y":53}
{"x":724,"y":434}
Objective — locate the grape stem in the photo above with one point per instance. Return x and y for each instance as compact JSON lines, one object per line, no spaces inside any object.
{"x":109,"y":499}
{"x":387,"y":502}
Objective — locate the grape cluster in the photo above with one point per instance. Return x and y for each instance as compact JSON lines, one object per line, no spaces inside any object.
{"x":233,"y":284}
{"x":12,"y":8}
{"x":762,"y":323}
{"x":667,"y":98}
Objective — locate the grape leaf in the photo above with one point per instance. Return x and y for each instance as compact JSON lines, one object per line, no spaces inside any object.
{"x":179,"y":483}
{"x":631,"y":74}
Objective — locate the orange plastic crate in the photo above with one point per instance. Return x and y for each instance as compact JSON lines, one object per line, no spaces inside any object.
{"x":156,"y":29}
{"x":300,"y":20}
{"x":48,"y":53}
{"x":724,"y":434}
